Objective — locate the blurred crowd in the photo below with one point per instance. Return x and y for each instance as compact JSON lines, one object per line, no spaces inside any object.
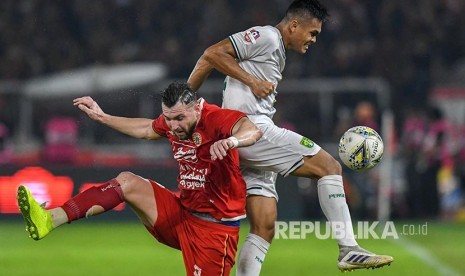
{"x":414,"y":45}
{"x":411,"y":43}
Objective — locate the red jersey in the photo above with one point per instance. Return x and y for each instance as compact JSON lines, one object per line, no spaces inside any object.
{"x":207,"y":186}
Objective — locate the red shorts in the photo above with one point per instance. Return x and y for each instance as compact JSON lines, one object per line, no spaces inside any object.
{"x":208,"y":248}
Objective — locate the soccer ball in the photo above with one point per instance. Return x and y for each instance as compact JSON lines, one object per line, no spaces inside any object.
{"x":361,"y":148}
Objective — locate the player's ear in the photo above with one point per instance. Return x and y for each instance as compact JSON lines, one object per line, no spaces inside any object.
{"x":197,"y":106}
{"x":293,"y":25}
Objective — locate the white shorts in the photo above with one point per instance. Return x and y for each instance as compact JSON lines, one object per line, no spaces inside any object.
{"x":278,"y":151}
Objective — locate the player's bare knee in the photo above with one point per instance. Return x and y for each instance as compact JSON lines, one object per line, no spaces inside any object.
{"x":127,"y":180}
{"x":333,"y":167}
{"x":266,"y":235}
{"x":264,"y":229}
{"x":328,"y":166}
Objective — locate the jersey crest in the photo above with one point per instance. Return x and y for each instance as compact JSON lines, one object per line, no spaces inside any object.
{"x":307,"y":142}
{"x":197,"y":138}
{"x":251,"y":36}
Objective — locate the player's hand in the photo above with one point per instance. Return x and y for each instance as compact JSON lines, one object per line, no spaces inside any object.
{"x":90,"y":107}
{"x":219,"y":149}
{"x":262,"y":89}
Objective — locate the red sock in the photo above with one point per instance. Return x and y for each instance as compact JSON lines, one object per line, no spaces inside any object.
{"x":107,"y":195}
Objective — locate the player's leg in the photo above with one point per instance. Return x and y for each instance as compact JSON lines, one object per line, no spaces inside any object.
{"x":133,"y":189}
{"x":262,"y":214}
{"x":260,"y":170}
{"x":327,"y":170}
{"x":286,"y":152}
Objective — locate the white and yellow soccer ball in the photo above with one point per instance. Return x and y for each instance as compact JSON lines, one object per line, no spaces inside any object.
{"x":361,"y":148}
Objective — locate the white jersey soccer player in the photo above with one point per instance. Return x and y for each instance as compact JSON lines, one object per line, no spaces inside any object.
{"x":253,"y":61}
{"x":260,"y":51}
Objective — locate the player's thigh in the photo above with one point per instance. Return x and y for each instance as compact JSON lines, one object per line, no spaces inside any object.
{"x":317,"y":166}
{"x":279,"y":150}
{"x":262,"y":213}
{"x":139,"y":194}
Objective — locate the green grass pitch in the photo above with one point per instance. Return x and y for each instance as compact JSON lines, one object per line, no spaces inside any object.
{"x":92,"y":247}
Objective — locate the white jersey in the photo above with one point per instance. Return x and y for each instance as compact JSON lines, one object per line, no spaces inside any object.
{"x":260,"y":51}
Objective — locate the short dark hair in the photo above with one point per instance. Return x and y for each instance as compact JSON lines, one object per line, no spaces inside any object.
{"x":178,"y":91}
{"x":306,"y":9}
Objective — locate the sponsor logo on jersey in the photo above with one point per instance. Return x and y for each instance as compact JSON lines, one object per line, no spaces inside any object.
{"x":191,"y":185}
{"x":192,"y":181}
{"x":251,"y":36}
{"x":192,"y":178}
{"x":197,"y":138}
{"x":184,"y":152}
{"x":307,"y":142}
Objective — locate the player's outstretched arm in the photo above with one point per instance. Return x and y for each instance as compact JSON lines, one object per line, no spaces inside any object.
{"x":200,"y":73}
{"x":244,"y":134}
{"x":222,"y":57}
{"x":136,"y":127}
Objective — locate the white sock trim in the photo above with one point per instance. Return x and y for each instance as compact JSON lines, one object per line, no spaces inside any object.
{"x":259,"y":242}
{"x":331,"y":180}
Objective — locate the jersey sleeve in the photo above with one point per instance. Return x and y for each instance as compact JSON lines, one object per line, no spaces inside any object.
{"x":254,"y":42}
{"x":222,"y":121}
{"x":159,"y":126}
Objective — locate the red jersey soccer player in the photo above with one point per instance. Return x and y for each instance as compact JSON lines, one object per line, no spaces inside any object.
{"x":212,"y":197}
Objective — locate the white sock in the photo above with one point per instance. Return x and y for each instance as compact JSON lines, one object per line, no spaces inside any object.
{"x":333,"y":203}
{"x":252,"y":255}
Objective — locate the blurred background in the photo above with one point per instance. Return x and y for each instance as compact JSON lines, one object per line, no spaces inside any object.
{"x":396,"y":66}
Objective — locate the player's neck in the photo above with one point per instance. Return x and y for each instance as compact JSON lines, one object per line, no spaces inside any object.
{"x":281,"y":28}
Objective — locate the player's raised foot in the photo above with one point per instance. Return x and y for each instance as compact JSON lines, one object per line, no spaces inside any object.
{"x":38,"y":220}
{"x":355,"y":257}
